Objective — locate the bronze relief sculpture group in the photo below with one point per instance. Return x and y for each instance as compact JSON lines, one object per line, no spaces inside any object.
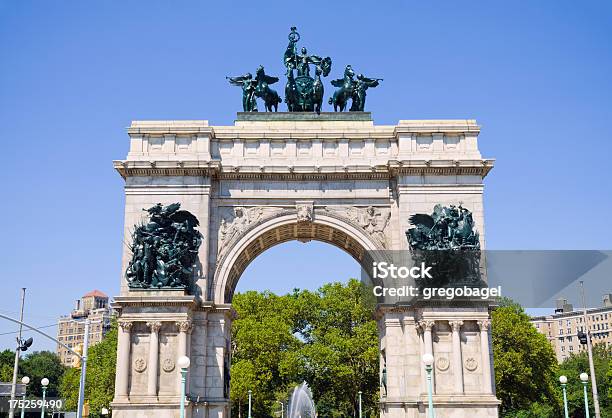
{"x":304,"y":93}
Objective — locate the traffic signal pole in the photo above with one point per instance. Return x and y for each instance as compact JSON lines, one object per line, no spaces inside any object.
{"x":16,"y":366}
{"x":83,"y":369}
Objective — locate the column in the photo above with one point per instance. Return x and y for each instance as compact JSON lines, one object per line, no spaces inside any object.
{"x":484,"y":350}
{"x":457,"y":361}
{"x":123,"y":358}
{"x":427,"y":327}
{"x":184,"y":327}
{"x":153,"y":365}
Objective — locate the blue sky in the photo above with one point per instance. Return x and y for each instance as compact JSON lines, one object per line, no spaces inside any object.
{"x":536,"y":76}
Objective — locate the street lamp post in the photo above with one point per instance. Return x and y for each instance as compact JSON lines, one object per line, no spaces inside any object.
{"x":590,"y":353}
{"x":26,"y":381}
{"x":183,"y":363}
{"x":44,"y":383}
{"x":359,"y":404}
{"x":428,"y":361}
{"x":563,"y":381}
{"x":584,"y":378}
{"x":250,"y":394}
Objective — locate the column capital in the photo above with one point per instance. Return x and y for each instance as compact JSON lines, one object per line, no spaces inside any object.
{"x":154,"y":326}
{"x":183,"y":326}
{"x":484,"y":324}
{"x":427,"y":325}
{"x":126,"y":326}
{"x":455,"y":325}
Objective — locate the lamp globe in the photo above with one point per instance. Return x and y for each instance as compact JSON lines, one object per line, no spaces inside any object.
{"x":428,"y":359}
{"x":184,"y":362}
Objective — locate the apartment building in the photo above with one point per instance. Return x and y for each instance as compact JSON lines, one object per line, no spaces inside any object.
{"x":563,"y":326}
{"x":71,"y":328}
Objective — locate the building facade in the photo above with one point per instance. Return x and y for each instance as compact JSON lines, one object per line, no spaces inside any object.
{"x":562,"y":328}
{"x":71,"y":328}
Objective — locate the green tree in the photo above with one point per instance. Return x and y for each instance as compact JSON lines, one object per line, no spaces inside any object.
{"x":38,"y":365}
{"x":100,"y":379}
{"x":579,"y":363}
{"x":525,"y":365}
{"x":341,"y":356}
{"x":7,"y":362}
{"x":262,"y":342}
{"x":327,"y":338}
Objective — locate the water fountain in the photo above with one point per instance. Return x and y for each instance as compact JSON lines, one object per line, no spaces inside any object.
{"x":301,"y":404}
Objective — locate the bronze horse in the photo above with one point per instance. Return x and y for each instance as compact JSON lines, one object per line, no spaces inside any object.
{"x":345,"y":90}
{"x":263,"y":91}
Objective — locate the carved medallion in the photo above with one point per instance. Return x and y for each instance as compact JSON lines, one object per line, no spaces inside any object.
{"x":471,"y":364}
{"x":442,"y":364}
{"x":140,"y":364}
{"x":168,"y":364}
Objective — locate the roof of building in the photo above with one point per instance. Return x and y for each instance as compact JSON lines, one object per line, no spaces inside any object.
{"x":96,"y":293}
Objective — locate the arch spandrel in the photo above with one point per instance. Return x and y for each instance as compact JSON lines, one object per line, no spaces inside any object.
{"x":284,"y":226}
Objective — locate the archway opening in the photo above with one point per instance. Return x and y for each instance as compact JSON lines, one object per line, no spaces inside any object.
{"x":302,"y":316}
{"x":327,"y":229}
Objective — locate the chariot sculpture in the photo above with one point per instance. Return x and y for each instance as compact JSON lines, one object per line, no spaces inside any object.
{"x":304,"y":89}
{"x":304,"y":93}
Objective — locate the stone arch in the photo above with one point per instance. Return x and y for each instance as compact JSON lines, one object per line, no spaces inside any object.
{"x":279,"y":229}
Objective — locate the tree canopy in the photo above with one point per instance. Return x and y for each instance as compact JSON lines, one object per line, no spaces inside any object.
{"x":327,"y":338}
{"x":100,"y":380}
{"x":579,"y":363}
{"x":525,"y":364}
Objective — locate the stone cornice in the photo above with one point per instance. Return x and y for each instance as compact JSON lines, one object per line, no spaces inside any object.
{"x":304,"y":172}
{"x":287,"y":129}
{"x":162,"y":127}
{"x":153,"y":300}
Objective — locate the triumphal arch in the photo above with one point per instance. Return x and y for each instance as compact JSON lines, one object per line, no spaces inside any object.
{"x":202,"y":202}
{"x":275,"y":177}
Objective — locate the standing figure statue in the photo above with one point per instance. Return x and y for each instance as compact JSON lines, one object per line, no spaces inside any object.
{"x":249,"y":86}
{"x":302,"y":91}
{"x":359,"y":91}
{"x":270,"y":97}
{"x":345,"y":89}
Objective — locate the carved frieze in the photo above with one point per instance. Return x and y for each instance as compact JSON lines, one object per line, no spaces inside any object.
{"x":372,"y":220}
{"x":235,"y":220}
